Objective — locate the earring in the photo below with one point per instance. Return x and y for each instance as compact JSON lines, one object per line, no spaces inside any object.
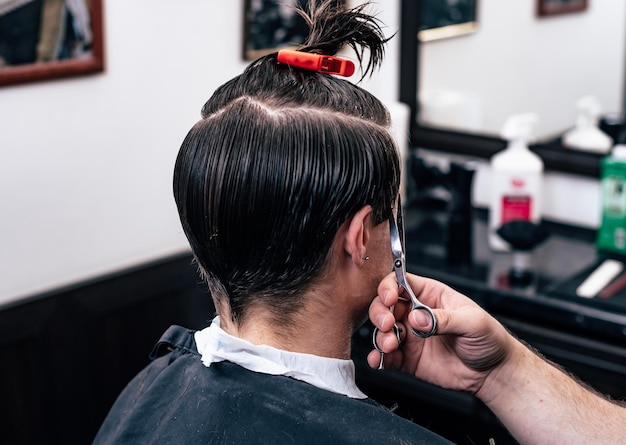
{"x":366,"y":258}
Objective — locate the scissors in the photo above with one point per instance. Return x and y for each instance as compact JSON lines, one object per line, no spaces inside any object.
{"x":399,"y":267}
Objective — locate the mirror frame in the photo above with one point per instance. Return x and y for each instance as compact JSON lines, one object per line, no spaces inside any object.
{"x":18,"y":74}
{"x":554,"y":155}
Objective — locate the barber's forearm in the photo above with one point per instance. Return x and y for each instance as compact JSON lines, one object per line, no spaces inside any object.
{"x":540,"y":404}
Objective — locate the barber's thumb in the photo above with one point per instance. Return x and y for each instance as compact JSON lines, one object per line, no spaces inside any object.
{"x":421,"y":321}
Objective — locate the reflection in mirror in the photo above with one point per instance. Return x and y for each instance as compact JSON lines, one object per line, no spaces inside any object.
{"x":41,"y":39}
{"x":442,"y":19}
{"x":518,"y":61}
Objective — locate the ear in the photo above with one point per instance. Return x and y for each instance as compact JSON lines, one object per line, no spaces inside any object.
{"x":358,"y":235}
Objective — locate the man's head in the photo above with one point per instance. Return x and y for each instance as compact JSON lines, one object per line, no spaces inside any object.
{"x":280,"y":160}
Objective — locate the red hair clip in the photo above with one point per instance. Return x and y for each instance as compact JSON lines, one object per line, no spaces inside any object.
{"x":316,"y":62}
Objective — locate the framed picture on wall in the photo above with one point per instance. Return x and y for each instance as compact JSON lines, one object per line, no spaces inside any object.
{"x":441,"y":19}
{"x":46,"y":39}
{"x":552,"y":7}
{"x":271,"y":25}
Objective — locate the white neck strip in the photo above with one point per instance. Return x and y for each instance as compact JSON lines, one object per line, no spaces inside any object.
{"x":331,"y":374}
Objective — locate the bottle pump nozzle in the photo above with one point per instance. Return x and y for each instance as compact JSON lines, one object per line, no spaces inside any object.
{"x":519,"y":127}
{"x":589,"y":111}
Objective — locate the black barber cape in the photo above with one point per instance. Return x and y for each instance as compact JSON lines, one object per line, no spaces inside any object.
{"x":178,"y":400}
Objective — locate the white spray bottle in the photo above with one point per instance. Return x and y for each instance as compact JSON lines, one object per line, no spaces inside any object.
{"x":517,"y":175}
{"x":586,"y":135}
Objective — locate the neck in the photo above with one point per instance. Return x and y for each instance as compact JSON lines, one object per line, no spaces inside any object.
{"x":319,"y":329}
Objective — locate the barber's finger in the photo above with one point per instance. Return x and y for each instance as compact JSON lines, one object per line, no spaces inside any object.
{"x":388,"y":290}
{"x":421,"y":320}
{"x":373,"y":359}
{"x":390,"y":341}
{"x":381,"y":316}
{"x":428,"y":291}
{"x":459,"y":321}
{"x":392,"y":360}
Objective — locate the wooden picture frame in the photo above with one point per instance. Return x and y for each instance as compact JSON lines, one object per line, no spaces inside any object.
{"x":74,"y":43}
{"x":440,"y":19}
{"x":554,"y":7}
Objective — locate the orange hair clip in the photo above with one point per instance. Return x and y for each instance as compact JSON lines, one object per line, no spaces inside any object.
{"x":316,"y":62}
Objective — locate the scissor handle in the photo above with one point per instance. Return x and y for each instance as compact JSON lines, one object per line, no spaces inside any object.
{"x":418,"y":305}
{"x":396,"y":330}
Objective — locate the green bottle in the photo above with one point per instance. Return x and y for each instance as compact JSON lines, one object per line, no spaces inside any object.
{"x":612,"y":233}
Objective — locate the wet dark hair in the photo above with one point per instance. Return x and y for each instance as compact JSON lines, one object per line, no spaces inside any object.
{"x":280,"y":160}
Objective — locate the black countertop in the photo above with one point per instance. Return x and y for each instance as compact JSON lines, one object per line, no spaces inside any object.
{"x":560,"y":264}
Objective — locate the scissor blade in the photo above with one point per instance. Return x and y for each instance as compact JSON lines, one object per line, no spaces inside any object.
{"x":400,"y":226}
{"x":396,"y":243}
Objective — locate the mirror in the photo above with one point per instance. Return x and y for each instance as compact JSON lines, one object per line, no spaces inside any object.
{"x":516,"y":61}
{"x":46,"y":39}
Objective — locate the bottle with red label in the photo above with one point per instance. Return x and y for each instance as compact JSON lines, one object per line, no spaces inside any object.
{"x":516,"y":175}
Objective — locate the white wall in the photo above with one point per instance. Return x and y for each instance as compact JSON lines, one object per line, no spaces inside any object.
{"x":86,"y":163}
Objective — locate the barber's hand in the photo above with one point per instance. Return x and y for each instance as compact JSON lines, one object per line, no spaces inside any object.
{"x":466,"y":347}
